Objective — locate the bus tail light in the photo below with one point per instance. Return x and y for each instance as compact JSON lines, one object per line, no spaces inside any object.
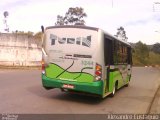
{"x":44,"y":65}
{"x":98,"y":72}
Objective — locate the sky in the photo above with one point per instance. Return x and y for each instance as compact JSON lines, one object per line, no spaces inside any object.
{"x":140,"y":18}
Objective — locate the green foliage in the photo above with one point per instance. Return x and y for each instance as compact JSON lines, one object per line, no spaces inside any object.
{"x":154,"y":59}
{"x":144,"y":55}
{"x":121,"y":33}
{"x":29,"y":33}
{"x":60,"y":20}
{"x":142,"y":52}
{"x":74,"y":16}
{"x":156,"y":48}
{"x":38,"y":35}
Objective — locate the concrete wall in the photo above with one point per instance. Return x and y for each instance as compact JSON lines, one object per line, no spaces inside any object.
{"x":19,"y":50}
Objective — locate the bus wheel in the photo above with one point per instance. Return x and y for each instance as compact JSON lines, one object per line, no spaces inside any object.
{"x":127,"y":84}
{"x":113,"y":92}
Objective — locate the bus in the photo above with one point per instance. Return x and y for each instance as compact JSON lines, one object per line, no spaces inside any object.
{"x":83,"y":59}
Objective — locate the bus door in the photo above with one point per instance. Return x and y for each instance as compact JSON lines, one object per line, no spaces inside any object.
{"x":108,"y":56}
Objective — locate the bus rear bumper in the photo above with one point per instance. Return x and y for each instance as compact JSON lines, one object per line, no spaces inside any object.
{"x":93,"y":88}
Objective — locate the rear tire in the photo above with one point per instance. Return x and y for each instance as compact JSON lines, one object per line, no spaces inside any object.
{"x":113,"y":92}
{"x":48,"y":88}
{"x":127,"y":85}
{"x":114,"y":89}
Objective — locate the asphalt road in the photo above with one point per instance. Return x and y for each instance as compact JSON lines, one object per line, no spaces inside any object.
{"x":21,"y":91}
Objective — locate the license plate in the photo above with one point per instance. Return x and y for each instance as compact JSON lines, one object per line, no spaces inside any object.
{"x":68,"y":86}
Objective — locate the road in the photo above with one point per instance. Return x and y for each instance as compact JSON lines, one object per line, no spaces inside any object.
{"x":21,"y":91}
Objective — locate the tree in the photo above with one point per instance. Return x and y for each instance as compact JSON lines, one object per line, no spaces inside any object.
{"x":74,"y":16}
{"x":156,"y":48}
{"x":60,"y":20}
{"x":121,"y":34}
{"x":38,"y":35}
{"x":29,"y":33}
{"x":141,"y":53}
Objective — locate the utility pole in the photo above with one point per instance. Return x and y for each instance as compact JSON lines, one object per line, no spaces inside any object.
{"x":112,"y":3}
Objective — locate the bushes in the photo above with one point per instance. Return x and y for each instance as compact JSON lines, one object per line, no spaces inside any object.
{"x":144,"y":55}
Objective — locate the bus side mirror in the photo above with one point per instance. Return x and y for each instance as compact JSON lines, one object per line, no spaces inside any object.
{"x":42,"y":28}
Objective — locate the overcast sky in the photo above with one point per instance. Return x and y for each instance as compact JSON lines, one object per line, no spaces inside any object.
{"x":137,"y":17}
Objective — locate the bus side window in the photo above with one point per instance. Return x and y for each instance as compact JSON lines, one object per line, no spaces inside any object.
{"x":119,"y":52}
{"x":115,"y":53}
{"x":129,"y":55}
{"x":108,"y":51}
{"x":125,"y":59}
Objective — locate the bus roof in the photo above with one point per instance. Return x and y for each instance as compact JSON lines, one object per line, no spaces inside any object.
{"x":73,"y":26}
{"x":88,"y":27}
{"x":114,"y":37}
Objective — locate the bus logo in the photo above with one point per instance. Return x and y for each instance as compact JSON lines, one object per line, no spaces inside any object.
{"x":84,"y":41}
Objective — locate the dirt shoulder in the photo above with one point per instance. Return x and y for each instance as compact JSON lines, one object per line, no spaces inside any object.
{"x":155,"y":108}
